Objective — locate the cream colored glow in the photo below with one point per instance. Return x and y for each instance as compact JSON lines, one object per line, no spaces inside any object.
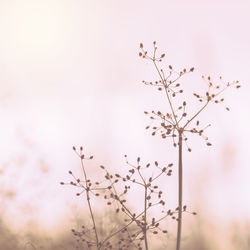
{"x":35,"y":26}
{"x":71,"y":75}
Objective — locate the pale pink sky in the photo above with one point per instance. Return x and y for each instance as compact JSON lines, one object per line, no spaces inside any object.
{"x":70,"y":75}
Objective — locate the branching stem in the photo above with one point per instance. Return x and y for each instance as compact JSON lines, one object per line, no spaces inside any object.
{"x":166,"y":90}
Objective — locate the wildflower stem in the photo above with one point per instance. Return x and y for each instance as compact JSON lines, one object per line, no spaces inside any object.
{"x":145,"y":219}
{"x":180,"y":180}
{"x":90,"y":208}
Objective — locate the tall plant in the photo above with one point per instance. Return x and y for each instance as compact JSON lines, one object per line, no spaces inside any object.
{"x":177,"y":123}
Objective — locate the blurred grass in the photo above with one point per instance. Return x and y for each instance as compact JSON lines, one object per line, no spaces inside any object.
{"x":198,"y":237}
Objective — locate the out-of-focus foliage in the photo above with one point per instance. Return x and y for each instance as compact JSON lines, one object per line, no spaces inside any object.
{"x":198,"y":238}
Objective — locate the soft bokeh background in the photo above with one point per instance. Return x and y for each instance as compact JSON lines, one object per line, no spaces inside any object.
{"x":70,"y":75}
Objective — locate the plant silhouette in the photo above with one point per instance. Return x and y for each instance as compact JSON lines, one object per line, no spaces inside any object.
{"x":177,"y":123}
{"x":132,"y":228}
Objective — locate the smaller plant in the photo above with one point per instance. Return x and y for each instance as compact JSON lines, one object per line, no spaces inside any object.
{"x":152,"y":197}
{"x":133,"y":231}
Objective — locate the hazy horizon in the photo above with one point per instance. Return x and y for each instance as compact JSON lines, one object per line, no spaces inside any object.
{"x":70,"y":74}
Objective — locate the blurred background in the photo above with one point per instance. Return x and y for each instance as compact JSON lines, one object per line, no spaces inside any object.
{"x":70,"y":74}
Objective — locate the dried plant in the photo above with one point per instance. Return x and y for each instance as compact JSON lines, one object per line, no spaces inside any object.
{"x":152,"y":197}
{"x":137,"y":223}
{"x":90,"y":236}
{"x":177,"y":123}
{"x":133,"y":232}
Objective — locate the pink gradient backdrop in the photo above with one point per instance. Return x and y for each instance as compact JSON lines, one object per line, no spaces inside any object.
{"x":70,"y":75}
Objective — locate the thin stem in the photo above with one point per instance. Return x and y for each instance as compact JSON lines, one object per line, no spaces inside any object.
{"x":145,"y":219}
{"x":145,"y":210}
{"x":180,"y":180}
{"x":196,"y":114}
{"x":166,"y":90}
{"x":90,"y":208}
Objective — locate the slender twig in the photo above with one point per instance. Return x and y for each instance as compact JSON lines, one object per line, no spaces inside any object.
{"x":180,"y":183}
{"x":89,"y":206}
{"x":199,"y":111}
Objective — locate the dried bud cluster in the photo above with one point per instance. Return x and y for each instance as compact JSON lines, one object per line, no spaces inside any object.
{"x":177,"y":120}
